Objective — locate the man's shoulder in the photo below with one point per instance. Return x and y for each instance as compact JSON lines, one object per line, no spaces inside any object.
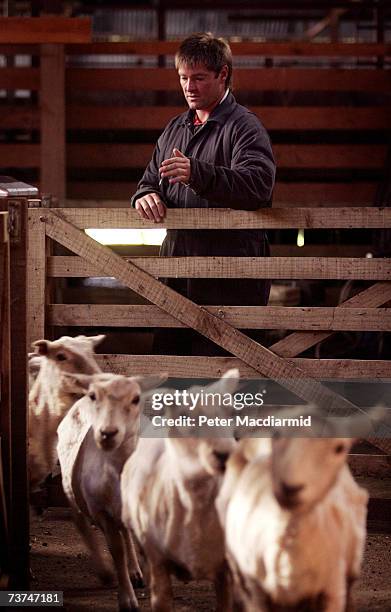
{"x":244,"y":117}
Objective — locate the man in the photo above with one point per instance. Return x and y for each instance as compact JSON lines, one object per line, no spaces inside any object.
{"x":215,"y":155}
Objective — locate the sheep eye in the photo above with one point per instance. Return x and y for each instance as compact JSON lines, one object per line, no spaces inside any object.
{"x":61,"y":357}
{"x":136,"y":399}
{"x":339,"y":449}
{"x":92,"y":396}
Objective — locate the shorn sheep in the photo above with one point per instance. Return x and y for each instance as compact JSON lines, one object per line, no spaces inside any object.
{"x":49,"y":400}
{"x":295,"y":523}
{"x":94,"y":440}
{"x":168,"y":490}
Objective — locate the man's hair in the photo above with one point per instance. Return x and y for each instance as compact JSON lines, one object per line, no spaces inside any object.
{"x":206,"y":49}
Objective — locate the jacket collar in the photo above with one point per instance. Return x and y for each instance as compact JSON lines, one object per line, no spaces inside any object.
{"x":218,"y":115}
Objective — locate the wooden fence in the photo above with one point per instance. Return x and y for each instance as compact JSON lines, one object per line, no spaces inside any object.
{"x":222,"y":324}
{"x":13,"y":371}
{"x":327,"y":123}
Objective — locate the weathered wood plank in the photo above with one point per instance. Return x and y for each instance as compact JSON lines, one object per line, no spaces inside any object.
{"x":241,"y":317}
{"x":237,"y":267}
{"x":196,"y":317}
{"x":52,"y":99}
{"x":19,"y":78}
{"x":19,"y":118}
{"x":227,"y":218}
{"x":19,"y":508}
{"x":286,"y":194}
{"x":274,"y":117}
{"x":297,"y":342}
{"x":269,"y":49}
{"x":213,"y":367}
{"x":20,"y":155}
{"x":36,"y":275}
{"x":287,"y":156}
{"x":44,"y":30}
{"x":253,"y":79}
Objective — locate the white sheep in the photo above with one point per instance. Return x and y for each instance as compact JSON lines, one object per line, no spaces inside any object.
{"x":168,"y":490}
{"x":49,"y":400}
{"x":94,"y":440}
{"x":295,"y":523}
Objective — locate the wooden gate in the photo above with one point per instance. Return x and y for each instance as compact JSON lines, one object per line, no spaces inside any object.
{"x":221,"y":324}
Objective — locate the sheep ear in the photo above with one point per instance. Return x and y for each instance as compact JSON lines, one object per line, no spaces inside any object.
{"x":42,"y":347}
{"x":228,"y":383}
{"x":76,"y":383}
{"x":95,"y":340}
{"x":254,"y":447}
{"x":150,"y":382}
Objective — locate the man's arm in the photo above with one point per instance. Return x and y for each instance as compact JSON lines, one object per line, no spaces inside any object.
{"x":246,"y":185}
{"x":147,"y":200}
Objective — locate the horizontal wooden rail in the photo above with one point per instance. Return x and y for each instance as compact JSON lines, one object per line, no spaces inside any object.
{"x":268,"y":49}
{"x":137,"y":156}
{"x":226,"y":218}
{"x":286,"y":194}
{"x":237,"y":267}
{"x":287,"y":156}
{"x":241,"y":317}
{"x":23,"y":118}
{"x":87,"y":117}
{"x":80,"y":117}
{"x":45,"y":30}
{"x":20,"y":155}
{"x":19,"y":78}
{"x":246,"y":79}
{"x":213,"y":367}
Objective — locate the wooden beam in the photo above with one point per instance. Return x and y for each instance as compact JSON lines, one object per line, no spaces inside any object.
{"x":52,"y":99}
{"x":241,"y":317}
{"x":196,"y":317}
{"x":213,"y":367}
{"x":19,"y":118}
{"x":237,"y":267}
{"x":19,"y":506}
{"x":268,"y":49}
{"x":20,"y":155}
{"x":298,"y":342}
{"x":252,"y":79}
{"x":36,"y":274}
{"x":286,"y":194}
{"x":287,"y":156}
{"x":95,"y":117}
{"x":39,"y":30}
{"x":227,"y":218}
{"x":19,"y":78}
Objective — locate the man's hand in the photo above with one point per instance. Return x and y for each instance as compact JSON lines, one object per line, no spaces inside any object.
{"x":151,"y":207}
{"x":177,"y":169}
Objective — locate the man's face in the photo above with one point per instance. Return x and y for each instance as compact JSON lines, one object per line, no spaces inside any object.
{"x":201,"y":87}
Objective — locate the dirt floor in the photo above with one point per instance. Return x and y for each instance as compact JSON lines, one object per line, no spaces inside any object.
{"x":59,"y":562}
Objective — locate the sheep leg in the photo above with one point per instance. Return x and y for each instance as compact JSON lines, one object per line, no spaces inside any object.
{"x":161,"y":589}
{"x":135,"y":572}
{"x":92,"y":543}
{"x":350,"y":607}
{"x":127,"y":600}
{"x":223,"y":588}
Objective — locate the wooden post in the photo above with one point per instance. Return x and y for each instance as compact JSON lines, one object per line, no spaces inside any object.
{"x":36,"y":268}
{"x":52,"y":96}
{"x":14,"y":199}
{"x":5,"y":395}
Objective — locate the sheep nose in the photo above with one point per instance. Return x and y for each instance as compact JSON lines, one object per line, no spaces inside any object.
{"x":291,"y":491}
{"x":108,"y":434}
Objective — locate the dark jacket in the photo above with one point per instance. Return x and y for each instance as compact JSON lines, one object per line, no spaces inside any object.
{"x":232,"y":166}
